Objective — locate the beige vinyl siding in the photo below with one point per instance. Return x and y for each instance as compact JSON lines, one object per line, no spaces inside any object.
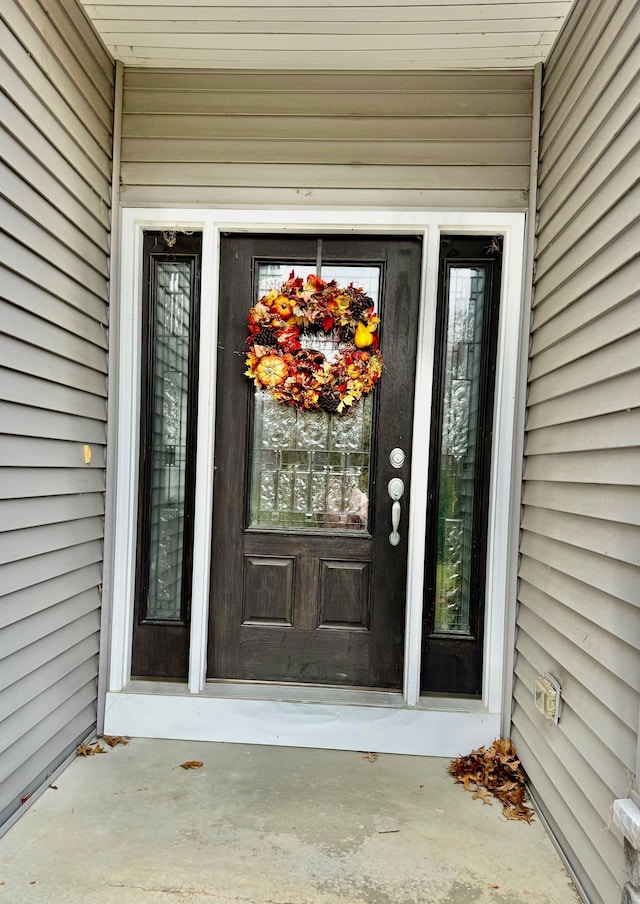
{"x":55,"y":170}
{"x":324,"y":35}
{"x":579,"y":594}
{"x":453,"y":140}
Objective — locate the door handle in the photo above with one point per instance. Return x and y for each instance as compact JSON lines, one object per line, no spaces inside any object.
{"x":395,"y":489}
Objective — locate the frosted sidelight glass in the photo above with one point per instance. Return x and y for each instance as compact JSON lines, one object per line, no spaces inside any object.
{"x":169,"y":443}
{"x":466,"y":300}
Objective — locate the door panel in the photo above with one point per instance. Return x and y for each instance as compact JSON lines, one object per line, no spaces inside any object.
{"x":305,"y":585}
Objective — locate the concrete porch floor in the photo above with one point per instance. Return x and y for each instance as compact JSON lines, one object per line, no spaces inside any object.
{"x":271,"y":825}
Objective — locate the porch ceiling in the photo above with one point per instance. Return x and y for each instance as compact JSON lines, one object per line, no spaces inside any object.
{"x":329,"y":34}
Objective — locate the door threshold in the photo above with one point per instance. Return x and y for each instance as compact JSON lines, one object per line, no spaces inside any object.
{"x":305,"y":693}
{"x":277,"y":692}
{"x":167,"y":710}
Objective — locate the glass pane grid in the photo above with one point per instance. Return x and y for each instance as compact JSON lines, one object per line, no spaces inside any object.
{"x":272,"y":275}
{"x":310,"y":468}
{"x":365,"y":278}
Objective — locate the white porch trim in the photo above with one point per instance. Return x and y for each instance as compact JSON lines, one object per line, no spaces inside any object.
{"x":222,"y":715}
{"x":411,"y":724}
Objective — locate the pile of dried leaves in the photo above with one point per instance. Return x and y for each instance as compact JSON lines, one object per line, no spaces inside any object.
{"x":495,"y":772}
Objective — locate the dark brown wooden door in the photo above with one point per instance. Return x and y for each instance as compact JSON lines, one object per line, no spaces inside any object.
{"x":298,"y":596}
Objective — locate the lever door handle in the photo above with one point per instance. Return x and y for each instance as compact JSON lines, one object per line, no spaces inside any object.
{"x":396,"y":491}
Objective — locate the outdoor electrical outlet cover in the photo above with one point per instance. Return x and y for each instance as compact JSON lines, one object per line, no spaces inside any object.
{"x":547,"y":696}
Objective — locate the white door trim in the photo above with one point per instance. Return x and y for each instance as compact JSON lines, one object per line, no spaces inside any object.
{"x":120,"y":700}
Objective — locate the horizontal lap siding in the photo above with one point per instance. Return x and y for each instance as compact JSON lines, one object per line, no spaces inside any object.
{"x":56,"y":111}
{"x":449,"y":139}
{"x":329,"y":35}
{"x":579,"y":596}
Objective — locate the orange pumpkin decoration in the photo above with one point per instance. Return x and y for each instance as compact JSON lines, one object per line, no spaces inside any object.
{"x":271,"y":370}
{"x":282,"y":307}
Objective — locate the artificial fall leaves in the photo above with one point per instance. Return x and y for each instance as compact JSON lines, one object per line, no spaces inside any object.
{"x":285,"y":325}
{"x":495,"y":772}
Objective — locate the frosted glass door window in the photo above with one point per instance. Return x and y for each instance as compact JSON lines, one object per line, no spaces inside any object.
{"x":458,"y":448}
{"x":311,"y":469}
{"x":169,"y":452}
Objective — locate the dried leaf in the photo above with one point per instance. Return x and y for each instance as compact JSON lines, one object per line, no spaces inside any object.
{"x":483,"y":794}
{"x":112,"y":740}
{"x":53,"y":787}
{"x":508,"y":813}
{"x":192,"y":764}
{"x":89,"y":749}
{"x":372,"y":757}
{"x":506,"y":787}
{"x":526,"y":814}
{"x":24,"y":799}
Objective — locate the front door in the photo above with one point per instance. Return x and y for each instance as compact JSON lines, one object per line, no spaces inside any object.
{"x":307,"y":584}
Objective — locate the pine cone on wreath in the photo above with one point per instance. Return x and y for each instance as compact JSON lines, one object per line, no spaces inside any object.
{"x":265,"y":337}
{"x":359,"y":306}
{"x":329,"y":401}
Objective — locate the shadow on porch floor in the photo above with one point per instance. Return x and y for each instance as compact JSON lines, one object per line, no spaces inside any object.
{"x":269,"y":825}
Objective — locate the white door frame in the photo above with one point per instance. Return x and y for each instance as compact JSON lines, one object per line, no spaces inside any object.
{"x":349,"y":719}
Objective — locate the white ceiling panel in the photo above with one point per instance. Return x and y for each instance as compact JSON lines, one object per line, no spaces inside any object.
{"x":338,"y":35}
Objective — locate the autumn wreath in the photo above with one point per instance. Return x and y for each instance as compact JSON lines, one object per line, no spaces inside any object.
{"x":281,"y":357}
